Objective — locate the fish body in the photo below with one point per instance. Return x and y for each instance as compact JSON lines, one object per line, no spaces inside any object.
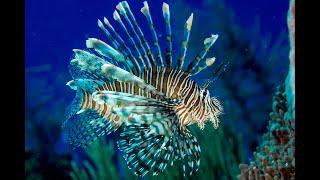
{"x":151,"y":101}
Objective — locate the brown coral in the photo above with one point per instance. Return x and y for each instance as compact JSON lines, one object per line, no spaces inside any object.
{"x":275,"y":157}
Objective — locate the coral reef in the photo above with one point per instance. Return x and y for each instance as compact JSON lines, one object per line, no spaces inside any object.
{"x":290,"y":81}
{"x":275,"y":157}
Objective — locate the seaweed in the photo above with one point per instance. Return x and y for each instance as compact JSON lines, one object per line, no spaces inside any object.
{"x":99,"y":165}
{"x":221,"y":154}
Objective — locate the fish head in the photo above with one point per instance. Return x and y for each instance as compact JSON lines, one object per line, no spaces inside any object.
{"x":212,"y":109}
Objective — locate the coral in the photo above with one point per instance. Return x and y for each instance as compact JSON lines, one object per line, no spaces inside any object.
{"x":275,"y":157}
{"x":290,"y":81}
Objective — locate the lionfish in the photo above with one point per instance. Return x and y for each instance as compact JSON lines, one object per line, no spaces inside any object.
{"x":150,"y":101}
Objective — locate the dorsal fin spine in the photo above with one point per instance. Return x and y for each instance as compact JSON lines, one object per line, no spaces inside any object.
{"x":140,"y":32}
{"x":106,"y":50}
{"x":166,"y":15}
{"x":208,"y":42}
{"x":117,"y":46}
{"x":132,"y":31}
{"x":117,"y":17}
{"x":145,"y":10}
{"x":185,"y":40}
{"x":123,"y":44}
{"x":209,"y":62}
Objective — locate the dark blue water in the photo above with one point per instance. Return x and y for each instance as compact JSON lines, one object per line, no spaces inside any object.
{"x":54,"y":28}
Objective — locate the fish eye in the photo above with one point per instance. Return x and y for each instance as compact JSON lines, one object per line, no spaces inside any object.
{"x":204,"y":93}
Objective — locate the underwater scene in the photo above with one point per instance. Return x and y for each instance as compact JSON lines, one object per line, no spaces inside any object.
{"x":159,"y":89}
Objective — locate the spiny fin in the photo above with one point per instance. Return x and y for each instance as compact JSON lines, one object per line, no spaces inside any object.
{"x":105,"y":50}
{"x":130,"y":36}
{"x":86,"y":66}
{"x":207,"y":43}
{"x":209,"y":62}
{"x":82,"y":129}
{"x":88,"y":85}
{"x":190,"y":153}
{"x":122,"y":75}
{"x":122,"y":45}
{"x":148,"y":147}
{"x":145,"y":10}
{"x":136,"y":32}
{"x":125,"y":99}
{"x":166,"y":15}
{"x":185,"y":40}
{"x":75,"y":105}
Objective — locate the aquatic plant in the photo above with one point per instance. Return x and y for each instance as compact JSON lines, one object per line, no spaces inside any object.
{"x":221,"y":154}
{"x":275,"y":157}
{"x":99,"y":165}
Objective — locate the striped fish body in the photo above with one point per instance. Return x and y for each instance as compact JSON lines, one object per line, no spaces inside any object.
{"x":125,"y":86}
{"x":173,"y":83}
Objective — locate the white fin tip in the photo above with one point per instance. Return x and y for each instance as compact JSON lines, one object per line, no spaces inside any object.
{"x":120,"y":7}
{"x":100,"y":24}
{"x":90,"y":42}
{"x":189,"y":22}
{"x":76,"y":50}
{"x":211,"y":39}
{"x":145,"y":8}
{"x":71,"y":85}
{"x":105,"y":20}
{"x":81,"y":111}
{"x":165,"y":7}
{"x":210,"y":61}
{"x":116,"y":15}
